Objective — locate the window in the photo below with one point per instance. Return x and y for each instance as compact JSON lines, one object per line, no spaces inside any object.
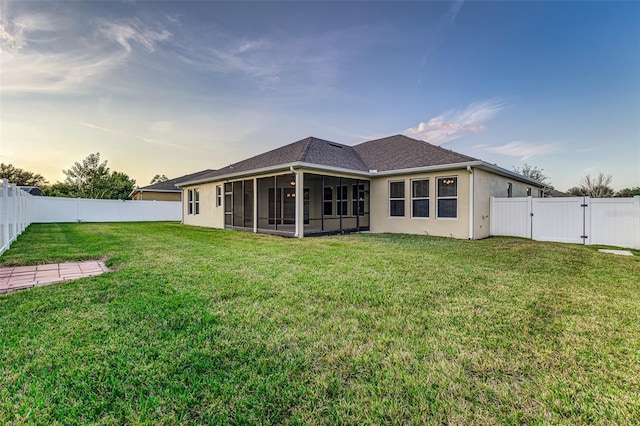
{"x":448,"y":197}
{"x":327,"y":201}
{"x":396,"y":199}
{"x":193,"y":201}
{"x":509,"y":190}
{"x":357,"y":196}
{"x":420,"y":198}
{"x":342,"y":201}
{"x":218,"y":196}
{"x":528,"y":192}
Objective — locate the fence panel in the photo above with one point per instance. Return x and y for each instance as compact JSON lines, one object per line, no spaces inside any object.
{"x":57,"y":209}
{"x":15,"y":213}
{"x":510,"y":217}
{"x":615,"y":222}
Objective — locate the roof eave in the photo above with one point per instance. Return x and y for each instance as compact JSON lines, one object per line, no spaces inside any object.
{"x":369,"y":174}
{"x":513,"y":175}
{"x":271,"y":169}
{"x":423,"y":169}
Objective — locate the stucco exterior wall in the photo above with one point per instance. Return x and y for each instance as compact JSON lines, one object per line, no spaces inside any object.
{"x":156,"y":196}
{"x":381,"y":221}
{"x":488,"y":185}
{"x":210,"y":215}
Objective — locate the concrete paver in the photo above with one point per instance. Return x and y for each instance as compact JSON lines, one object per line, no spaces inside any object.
{"x":21,"y":277}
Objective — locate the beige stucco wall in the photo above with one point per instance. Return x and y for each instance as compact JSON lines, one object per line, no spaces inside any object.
{"x":210,"y":215}
{"x":382,"y":222}
{"x":156,"y":196}
{"x":487,"y":185}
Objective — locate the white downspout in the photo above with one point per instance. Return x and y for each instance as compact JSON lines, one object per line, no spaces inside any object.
{"x":471,"y":185}
{"x":298,"y":196}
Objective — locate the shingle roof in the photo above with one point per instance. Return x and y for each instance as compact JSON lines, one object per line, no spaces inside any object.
{"x":397,"y":152}
{"x":401,"y":152}
{"x":170,"y":185}
{"x":308,"y":150}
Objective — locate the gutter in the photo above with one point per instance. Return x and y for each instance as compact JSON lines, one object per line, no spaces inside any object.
{"x":471,"y":203}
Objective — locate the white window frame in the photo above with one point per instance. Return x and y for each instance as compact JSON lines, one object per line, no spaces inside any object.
{"x":448,"y":197}
{"x":195,"y":202}
{"x":190,"y":201}
{"x":403,"y":199}
{"x":342,"y":204}
{"x":428,"y":198}
{"x":218,"y":195}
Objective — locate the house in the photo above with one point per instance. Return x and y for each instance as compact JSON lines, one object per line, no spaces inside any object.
{"x":313,"y":187}
{"x":165,"y":191}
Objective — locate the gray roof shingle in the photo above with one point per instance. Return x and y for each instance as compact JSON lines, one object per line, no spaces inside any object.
{"x":308,"y":150}
{"x":391,"y":153}
{"x":402,"y":152}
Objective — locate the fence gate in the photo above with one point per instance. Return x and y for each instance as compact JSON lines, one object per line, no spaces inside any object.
{"x":559,"y":219}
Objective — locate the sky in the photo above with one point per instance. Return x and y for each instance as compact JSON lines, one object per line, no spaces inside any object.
{"x":175,"y":87}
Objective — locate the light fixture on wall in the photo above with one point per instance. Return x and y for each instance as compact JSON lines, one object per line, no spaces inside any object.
{"x":292,"y":182}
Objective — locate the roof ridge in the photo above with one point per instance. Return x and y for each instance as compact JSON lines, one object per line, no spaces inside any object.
{"x":305,"y":148}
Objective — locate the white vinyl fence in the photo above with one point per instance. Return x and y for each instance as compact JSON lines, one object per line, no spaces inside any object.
{"x":57,"y":209}
{"x":19,"y":209}
{"x":15,"y":213}
{"x":580,"y":220}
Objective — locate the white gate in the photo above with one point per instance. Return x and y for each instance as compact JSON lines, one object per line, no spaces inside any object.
{"x":558,"y":219}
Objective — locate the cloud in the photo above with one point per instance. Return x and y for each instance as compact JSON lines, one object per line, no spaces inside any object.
{"x":129,"y":135}
{"x":437,"y":37}
{"x":43,"y":53}
{"x":521,"y":149}
{"x":455,"y":123}
{"x":134,"y":30}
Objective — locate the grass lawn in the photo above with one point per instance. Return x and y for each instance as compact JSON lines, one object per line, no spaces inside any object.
{"x":198,"y":326}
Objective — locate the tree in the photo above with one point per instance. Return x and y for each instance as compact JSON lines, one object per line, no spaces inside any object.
{"x":158,"y":179}
{"x":628,"y":192}
{"x":597,"y":187}
{"x":21,"y":177}
{"x":532,"y":172}
{"x":93,"y":179}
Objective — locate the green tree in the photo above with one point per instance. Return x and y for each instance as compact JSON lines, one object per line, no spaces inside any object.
{"x":598,"y":187}
{"x":92,"y":178}
{"x":158,"y":179}
{"x":628,"y":192}
{"x":532,"y":172}
{"x":21,"y":177}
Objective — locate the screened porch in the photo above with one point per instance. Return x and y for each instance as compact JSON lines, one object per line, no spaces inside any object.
{"x":329,"y":204}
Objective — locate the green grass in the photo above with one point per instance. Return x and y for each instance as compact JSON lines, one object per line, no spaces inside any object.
{"x":206,"y":326}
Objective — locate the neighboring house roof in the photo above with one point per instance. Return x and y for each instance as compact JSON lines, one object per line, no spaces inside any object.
{"x":33,"y":190}
{"x":170,"y":185}
{"x":393,"y":154}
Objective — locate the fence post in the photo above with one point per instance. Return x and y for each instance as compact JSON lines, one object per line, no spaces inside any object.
{"x":530,"y":217}
{"x":636,"y":201}
{"x":5,"y":214}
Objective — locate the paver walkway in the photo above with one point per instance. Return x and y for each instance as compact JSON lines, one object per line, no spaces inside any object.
{"x":21,"y":277}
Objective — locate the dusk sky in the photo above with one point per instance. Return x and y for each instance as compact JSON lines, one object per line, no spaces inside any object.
{"x":177,"y":87}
